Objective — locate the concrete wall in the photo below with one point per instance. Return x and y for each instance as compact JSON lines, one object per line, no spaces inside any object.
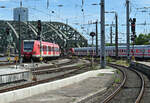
{"x":14,"y":77}
{"x":38,"y":89}
{"x":141,"y":67}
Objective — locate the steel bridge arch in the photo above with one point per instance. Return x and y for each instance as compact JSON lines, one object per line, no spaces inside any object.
{"x":75,"y":39}
{"x":60,"y":33}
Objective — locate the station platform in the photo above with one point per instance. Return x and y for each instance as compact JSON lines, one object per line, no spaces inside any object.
{"x":68,"y":90}
{"x":13,"y":73}
{"x":145,"y":63}
{"x":8,"y":75}
{"x":141,"y":66}
{"x":4,"y":59}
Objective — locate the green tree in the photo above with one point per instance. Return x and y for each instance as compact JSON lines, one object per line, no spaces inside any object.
{"x":108,"y":44}
{"x":142,"y":39}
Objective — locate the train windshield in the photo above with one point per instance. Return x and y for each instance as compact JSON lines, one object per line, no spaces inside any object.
{"x":28,"y":45}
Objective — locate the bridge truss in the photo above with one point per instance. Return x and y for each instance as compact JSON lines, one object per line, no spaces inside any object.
{"x":55,"y":32}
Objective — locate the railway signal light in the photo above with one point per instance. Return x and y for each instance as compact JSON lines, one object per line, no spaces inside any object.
{"x":92,"y":34}
{"x":133,"y":25}
{"x":133,"y":37}
{"x":39,"y":25}
{"x":39,"y":29}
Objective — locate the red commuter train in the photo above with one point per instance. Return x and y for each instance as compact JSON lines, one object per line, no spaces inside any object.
{"x":31,"y":49}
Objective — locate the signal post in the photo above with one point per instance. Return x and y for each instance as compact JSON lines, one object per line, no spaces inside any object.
{"x":39,"y":38}
{"x":133,"y":36}
{"x":92,"y":34}
{"x":8,"y":46}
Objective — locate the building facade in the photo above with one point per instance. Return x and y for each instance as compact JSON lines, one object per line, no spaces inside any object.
{"x":23,"y":12}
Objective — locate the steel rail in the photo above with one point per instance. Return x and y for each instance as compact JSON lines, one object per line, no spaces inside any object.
{"x":53,"y":66}
{"x":142,"y":84}
{"x":142,"y":87}
{"x":138,"y":99}
{"x":33,"y":83}
{"x":119,"y":88}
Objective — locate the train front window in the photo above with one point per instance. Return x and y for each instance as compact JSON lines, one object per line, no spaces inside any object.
{"x":28,"y":45}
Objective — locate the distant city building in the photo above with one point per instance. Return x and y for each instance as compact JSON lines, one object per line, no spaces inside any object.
{"x":23,"y":14}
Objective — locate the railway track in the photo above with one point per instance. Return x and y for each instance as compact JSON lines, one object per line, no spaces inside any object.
{"x":54,"y":68}
{"x":72,"y":71}
{"x":7,"y":64}
{"x":55,"y":65}
{"x":132,"y":88}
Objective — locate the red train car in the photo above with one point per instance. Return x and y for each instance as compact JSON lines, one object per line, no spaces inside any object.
{"x":31,"y":49}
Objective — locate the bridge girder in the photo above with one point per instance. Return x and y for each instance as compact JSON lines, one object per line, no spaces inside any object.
{"x":74,"y":37}
{"x":56,"y":32}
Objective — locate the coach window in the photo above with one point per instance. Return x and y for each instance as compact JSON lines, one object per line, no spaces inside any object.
{"x":49,"y":48}
{"x":38,"y":46}
{"x":56,"y":49}
{"x":45,"y":48}
{"x":42,"y":48}
{"x":53,"y":48}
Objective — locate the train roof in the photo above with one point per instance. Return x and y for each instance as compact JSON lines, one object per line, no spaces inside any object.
{"x":43,"y":42}
{"x":110,"y":47}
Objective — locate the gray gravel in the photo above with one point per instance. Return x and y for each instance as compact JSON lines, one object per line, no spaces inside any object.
{"x":146,"y":96}
{"x":131,"y":89}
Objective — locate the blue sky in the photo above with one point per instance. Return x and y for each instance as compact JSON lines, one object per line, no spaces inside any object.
{"x":71,"y":11}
